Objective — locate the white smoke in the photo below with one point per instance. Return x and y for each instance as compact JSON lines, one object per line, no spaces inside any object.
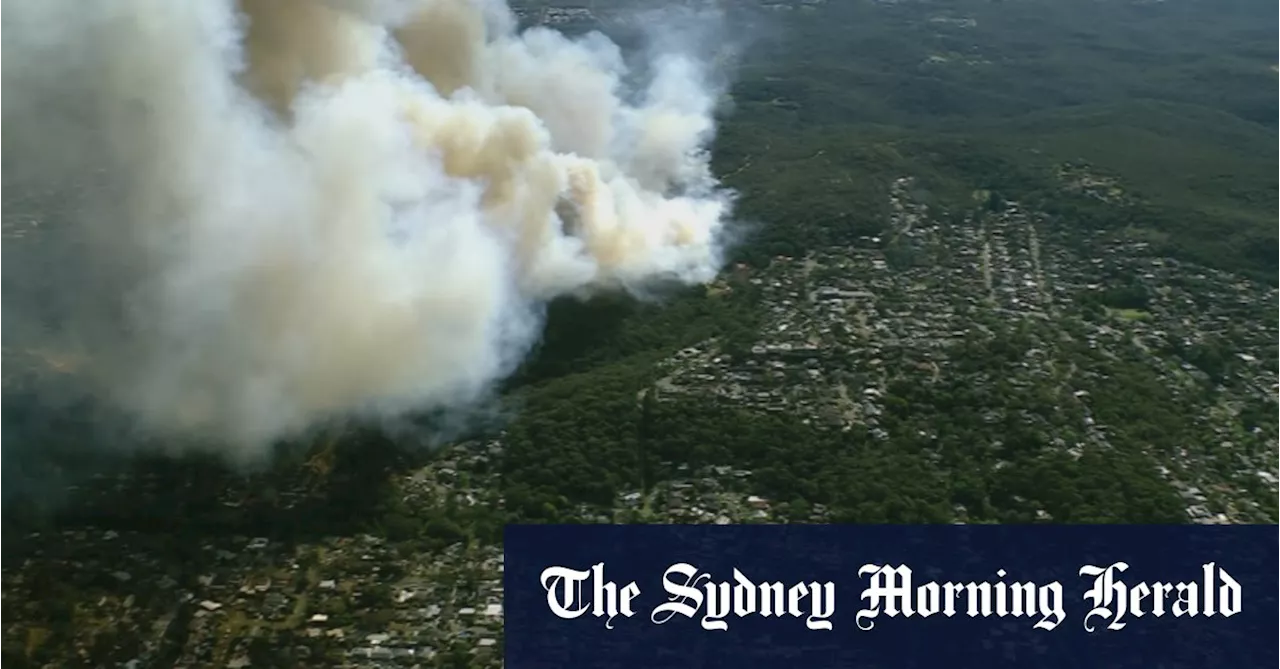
{"x":314,"y":208}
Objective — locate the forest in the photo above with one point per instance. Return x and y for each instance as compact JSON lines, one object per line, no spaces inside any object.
{"x":1116,"y":124}
{"x":1174,"y":101}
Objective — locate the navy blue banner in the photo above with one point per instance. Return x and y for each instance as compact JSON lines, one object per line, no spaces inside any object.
{"x":751,"y":597}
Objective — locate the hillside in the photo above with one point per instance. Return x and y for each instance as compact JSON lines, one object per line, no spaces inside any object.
{"x":996,"y":262}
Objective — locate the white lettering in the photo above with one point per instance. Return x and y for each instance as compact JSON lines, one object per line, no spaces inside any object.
{"x":890,"y":591}
{"x":564,"y":591}
{"x":1112,"y":599}
{"x":1105,"y":591}
{"x":692,"y":591}
{"x":682,"y":592}
{"x":564,"y":594}
{"x":1228,"y":594}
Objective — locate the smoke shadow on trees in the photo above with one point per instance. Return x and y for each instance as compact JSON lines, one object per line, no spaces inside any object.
{"x":61,"y":474}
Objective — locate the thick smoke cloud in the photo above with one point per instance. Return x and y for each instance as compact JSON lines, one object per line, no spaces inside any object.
{"x":266,"y":215}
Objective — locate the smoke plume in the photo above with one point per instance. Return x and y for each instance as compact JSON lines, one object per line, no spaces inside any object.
{"x":263,"y":215}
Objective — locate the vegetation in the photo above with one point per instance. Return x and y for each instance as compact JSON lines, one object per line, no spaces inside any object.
{"x":1170,"y":105}
{"x":1121,"y":121}
{"x":1173,"y":102}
